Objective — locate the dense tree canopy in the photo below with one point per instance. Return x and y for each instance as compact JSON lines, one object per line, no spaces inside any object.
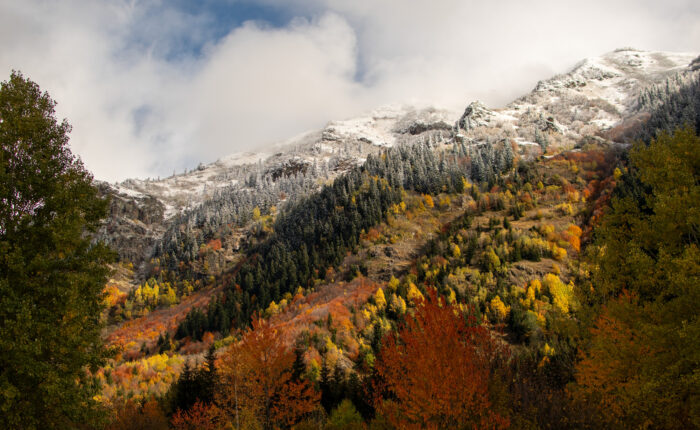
{"x":51,"y":276}
{"x":654,"y":220}
{"x":642,"y":361}
{"x":316,"y":232}
{"x":673,"y":104}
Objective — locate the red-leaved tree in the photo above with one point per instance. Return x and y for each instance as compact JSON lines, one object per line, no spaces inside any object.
{"x":200,"y":416}
{"x":435,"y":373}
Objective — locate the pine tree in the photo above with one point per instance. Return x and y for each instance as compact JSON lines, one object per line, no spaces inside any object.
{"x":325,"y":386}
{"x":183,"y":397}
{"x":299,"y":367}
{"x":209,"y":376}
{"x":541,"y":139}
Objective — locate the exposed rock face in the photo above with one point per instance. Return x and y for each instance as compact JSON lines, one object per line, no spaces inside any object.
{"x":695,"y":65}
{"x":289,"y":168}
{"x":475,"y":115}
{"x":133,"y":226}
{"x":417,"y":122}
{"x":419,"y":127}
{"x":549,"y":124}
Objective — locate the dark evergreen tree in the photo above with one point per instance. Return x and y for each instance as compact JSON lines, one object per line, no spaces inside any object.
{"x":299,"y":366}
{"x":325,"y":386}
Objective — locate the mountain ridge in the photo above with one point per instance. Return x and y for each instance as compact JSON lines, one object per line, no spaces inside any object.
{"x":597,"y":94}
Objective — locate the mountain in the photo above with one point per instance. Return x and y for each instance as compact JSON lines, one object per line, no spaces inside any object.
{"x":331,"y":242}
{"x":142,"y":209}
{"x":196,"y":229}
{"x":593,"y":98}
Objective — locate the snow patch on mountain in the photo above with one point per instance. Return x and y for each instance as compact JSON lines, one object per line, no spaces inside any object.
{"x":616,"y":77}
{"x":596,"y":95}
{"x":337,"y":147}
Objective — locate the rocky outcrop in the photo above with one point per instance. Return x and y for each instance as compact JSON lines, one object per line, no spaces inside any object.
{"x":134,"y":224}
{"x":475,"y":115}
{"x":288,"y":168}
{"x":421,"y":121}
{"x":695,"y":64}
{"x":549,"y":124}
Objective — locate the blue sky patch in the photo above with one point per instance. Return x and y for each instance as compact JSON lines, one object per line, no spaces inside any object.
{"x":182,"y":28}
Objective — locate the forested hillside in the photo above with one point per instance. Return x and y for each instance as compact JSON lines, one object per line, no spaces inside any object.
{"x":530,"y":267}
{"x":360,"y":293}
{"x":316,"y":233}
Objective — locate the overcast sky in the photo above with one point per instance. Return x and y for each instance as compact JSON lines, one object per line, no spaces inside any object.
{"x":156,"y":86}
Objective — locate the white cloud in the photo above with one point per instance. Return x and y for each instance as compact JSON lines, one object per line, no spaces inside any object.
{"x":262,"y":84}
{"x":142,"y":107}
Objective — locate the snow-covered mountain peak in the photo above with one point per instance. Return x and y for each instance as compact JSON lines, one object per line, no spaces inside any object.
{"x":595,"y":95}
{"x":616,"y":77}
{"x":598,"y":92}
{"x":335,"y":148}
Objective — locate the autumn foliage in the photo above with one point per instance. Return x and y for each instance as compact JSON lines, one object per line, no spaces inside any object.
{"x":214,"y":244}
{"x":641,"y":363}
{"x":609,"y":371}
{"x":199,"y":417}
{"x":132,"y":416}
{"x":258,"y":384}
{"x":435,"y":373}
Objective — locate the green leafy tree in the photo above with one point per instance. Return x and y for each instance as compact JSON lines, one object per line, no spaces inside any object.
{"x":654,"y":221}
{"x":345,"y":417}
{"x":641,"y":364}
{"x":51,"y":275}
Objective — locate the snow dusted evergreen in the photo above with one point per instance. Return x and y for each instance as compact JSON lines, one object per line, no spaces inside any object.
{"x":315,"y":232}
{"x":673,"y":104}
{"x":233,"y":205}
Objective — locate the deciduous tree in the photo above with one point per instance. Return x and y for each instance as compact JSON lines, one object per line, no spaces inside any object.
{"x":51,"y":275}
{"x":258,"y":381}
{"x":201,"y":416}
{"x":642,"y":358}
{"x":435,"y":372}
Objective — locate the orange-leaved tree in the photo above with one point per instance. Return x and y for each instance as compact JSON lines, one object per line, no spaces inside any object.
{"x":435,"y":373}
{"x":258,"y":382}
{"x":133,"y":416}
{"x":201,"y":416}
